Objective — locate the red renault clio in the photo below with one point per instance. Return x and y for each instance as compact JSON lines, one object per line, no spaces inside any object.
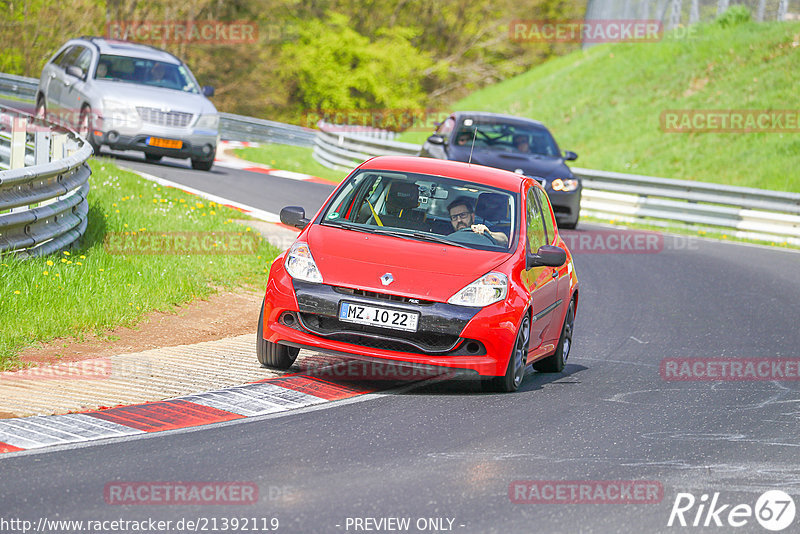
{"x":426,"y":263}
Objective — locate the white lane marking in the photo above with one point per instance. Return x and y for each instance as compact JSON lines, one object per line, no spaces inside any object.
{"x":639,"y":341}
{"x":255,"y":399}
{"x":250,"y":210}
{"x":41,"y":431}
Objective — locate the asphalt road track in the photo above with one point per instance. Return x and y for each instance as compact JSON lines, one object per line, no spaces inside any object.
{"x":445,"y":450}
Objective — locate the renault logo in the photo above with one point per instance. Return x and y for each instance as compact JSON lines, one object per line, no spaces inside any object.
{"x":387,"y":279}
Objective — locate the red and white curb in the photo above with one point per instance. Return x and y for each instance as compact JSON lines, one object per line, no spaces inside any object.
{"x":226,"y":159}
{"x":268,"y":396}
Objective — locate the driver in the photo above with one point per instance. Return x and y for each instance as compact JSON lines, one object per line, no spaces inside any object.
{"x":462,"y":217}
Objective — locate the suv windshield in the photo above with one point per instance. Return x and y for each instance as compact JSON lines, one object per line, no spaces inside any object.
{"x":499,"y":137}
{"x":425,"y":208}
{"x":145,"y":72}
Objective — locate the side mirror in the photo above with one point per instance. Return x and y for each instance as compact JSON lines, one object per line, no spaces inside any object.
{"x":569,"y":155}
{"x":208,"y":91}
{"x":74,"y":70}
{"x":547,"y":255}
{"x":294,"y":216}
{"x":436,"y":139}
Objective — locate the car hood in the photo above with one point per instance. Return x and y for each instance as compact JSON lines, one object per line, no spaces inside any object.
{"x":420,"y":269}
{"x":531,"y":164}
{"x":156,"y":97}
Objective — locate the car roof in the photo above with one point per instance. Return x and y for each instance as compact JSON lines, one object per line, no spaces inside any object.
{"x":114,"y":47}
{"x":448,"y":169}
{"x":498,"y":117}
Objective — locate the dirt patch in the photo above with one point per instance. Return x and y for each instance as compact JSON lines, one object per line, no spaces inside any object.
{"x":224,"y":314}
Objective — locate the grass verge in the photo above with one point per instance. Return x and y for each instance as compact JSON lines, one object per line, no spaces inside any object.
{"x":289,"y":158}
{"x":90,"y":289}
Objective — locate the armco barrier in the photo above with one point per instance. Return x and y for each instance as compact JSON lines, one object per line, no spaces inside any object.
{"x":43,"y":185}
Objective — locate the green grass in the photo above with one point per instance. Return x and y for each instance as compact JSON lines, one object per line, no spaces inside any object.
{"x":90,"y":290}
{"x":605,"y":104}
{"x":289,"y":158}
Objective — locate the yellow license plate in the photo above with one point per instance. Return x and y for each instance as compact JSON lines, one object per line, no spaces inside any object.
{"x":164,"y":143}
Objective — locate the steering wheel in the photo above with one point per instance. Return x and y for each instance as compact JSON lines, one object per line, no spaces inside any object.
{"x":486,"y":235}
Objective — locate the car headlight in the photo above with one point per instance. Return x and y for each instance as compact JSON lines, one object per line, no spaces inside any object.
{"x":487,"y":289}
{"x":300,"y":264}
{"x":564,"y":185}
{"x":208,"y":122}
{"x":117,"y":113}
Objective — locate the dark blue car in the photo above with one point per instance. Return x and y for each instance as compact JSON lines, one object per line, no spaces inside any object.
{"x":515,"y":144}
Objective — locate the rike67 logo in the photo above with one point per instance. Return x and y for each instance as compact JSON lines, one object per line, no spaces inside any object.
{"x":774,"y":510}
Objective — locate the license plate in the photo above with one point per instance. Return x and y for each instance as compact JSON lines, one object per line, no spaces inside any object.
{"x":164,"y":143}
{"x":375,"y":316}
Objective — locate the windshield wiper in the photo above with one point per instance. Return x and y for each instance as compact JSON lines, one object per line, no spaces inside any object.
{"x":437,"y":239}
{"x":349,"y":226}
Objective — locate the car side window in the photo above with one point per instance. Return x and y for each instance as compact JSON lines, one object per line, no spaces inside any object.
{"x":547,"y":215}
{"x":84,"y":60}
{"x":446,"y":127}
{"x":72,"y":57}
{"x":535,"y":228}
{"x":61,"y":58}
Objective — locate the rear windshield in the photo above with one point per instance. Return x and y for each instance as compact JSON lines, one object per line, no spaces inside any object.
{"x":426,"y":208}
{"x":145,"y":72}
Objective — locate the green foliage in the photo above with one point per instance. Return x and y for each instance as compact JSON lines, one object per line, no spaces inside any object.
{"x":334,"y":67}
{"x":734,"y":16}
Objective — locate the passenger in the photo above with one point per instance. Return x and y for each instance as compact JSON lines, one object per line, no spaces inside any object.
{"x":462,"y":216}
{"x":521,"y":143}
{"x":463,"y":138}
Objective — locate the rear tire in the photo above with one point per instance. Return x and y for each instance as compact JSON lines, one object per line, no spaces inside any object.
{"x":271,"y":354}
{"x":515,"y":371}
{"x":41,"y":108}
{"x":555,"y":362}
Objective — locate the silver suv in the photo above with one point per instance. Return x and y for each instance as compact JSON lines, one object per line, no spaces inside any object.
{"x":129,"y":96}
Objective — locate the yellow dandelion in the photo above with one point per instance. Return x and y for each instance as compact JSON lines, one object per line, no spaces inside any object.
{"x":213,"y":212}
{"x":49,"y":262}
{"x":58,"y":274}
{"x":46,"y":273}
{"x":63,"y":260}
{"x":66,"y":253}
{"x":78,"y":263}
{"x":101,"y":270}
{"x":125,"y":225}
{"x":116,"y":211}
{"x":16,"y":292}
{"x":83,"y":257}
{"x":155,"y":201}
{"x":69,"y":262}
{"x":247,"y":229}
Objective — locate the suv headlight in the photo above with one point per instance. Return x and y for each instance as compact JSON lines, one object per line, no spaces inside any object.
{"x":487,"y":289}
{"x":300,"y":264}
{"x":117,"y":113}
{"x":208,"y":122}
{"x":564,"y":185}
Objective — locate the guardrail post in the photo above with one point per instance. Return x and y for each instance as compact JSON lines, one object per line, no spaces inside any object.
{"x":694,"y":12}
{"x":783,"y":7}
{"x":19,"y":131}
{"x":41,"y":147}
{"x":58,"y":141}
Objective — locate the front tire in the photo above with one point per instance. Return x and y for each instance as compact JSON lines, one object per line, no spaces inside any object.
{"x":271,"y":354}
{"x":85,"y":128}
{"x":515,"y":371}
{"x":555,"y":362}
{"x":202,"y":165}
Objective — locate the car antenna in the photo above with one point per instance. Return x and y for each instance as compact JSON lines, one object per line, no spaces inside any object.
{"x":474,"y":135}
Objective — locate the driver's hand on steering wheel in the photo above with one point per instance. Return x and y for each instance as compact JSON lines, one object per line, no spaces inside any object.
{"x":479,"y":228}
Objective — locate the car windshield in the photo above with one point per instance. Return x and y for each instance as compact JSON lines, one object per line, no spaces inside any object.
{"x":425,"y":208}
{"x":145,"y":72}
{"x":496,"y":136}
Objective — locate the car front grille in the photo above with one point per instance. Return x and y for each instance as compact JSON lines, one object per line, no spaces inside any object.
{"x":174,"y":119}
{"x":420,"y":342}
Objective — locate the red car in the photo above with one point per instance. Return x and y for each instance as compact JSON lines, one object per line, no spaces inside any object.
{"x":421,"y":262}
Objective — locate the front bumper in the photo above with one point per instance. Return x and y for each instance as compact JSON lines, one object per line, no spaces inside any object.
{"x":305,"y":315}
{"x":195,"y":144}
{"x":566,"y":205}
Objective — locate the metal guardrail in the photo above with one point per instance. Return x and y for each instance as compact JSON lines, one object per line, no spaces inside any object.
{"x":18,"y":86}
{"x":240,"y":128}
{"x":748,"y":213}
{"x":44,"y":183}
